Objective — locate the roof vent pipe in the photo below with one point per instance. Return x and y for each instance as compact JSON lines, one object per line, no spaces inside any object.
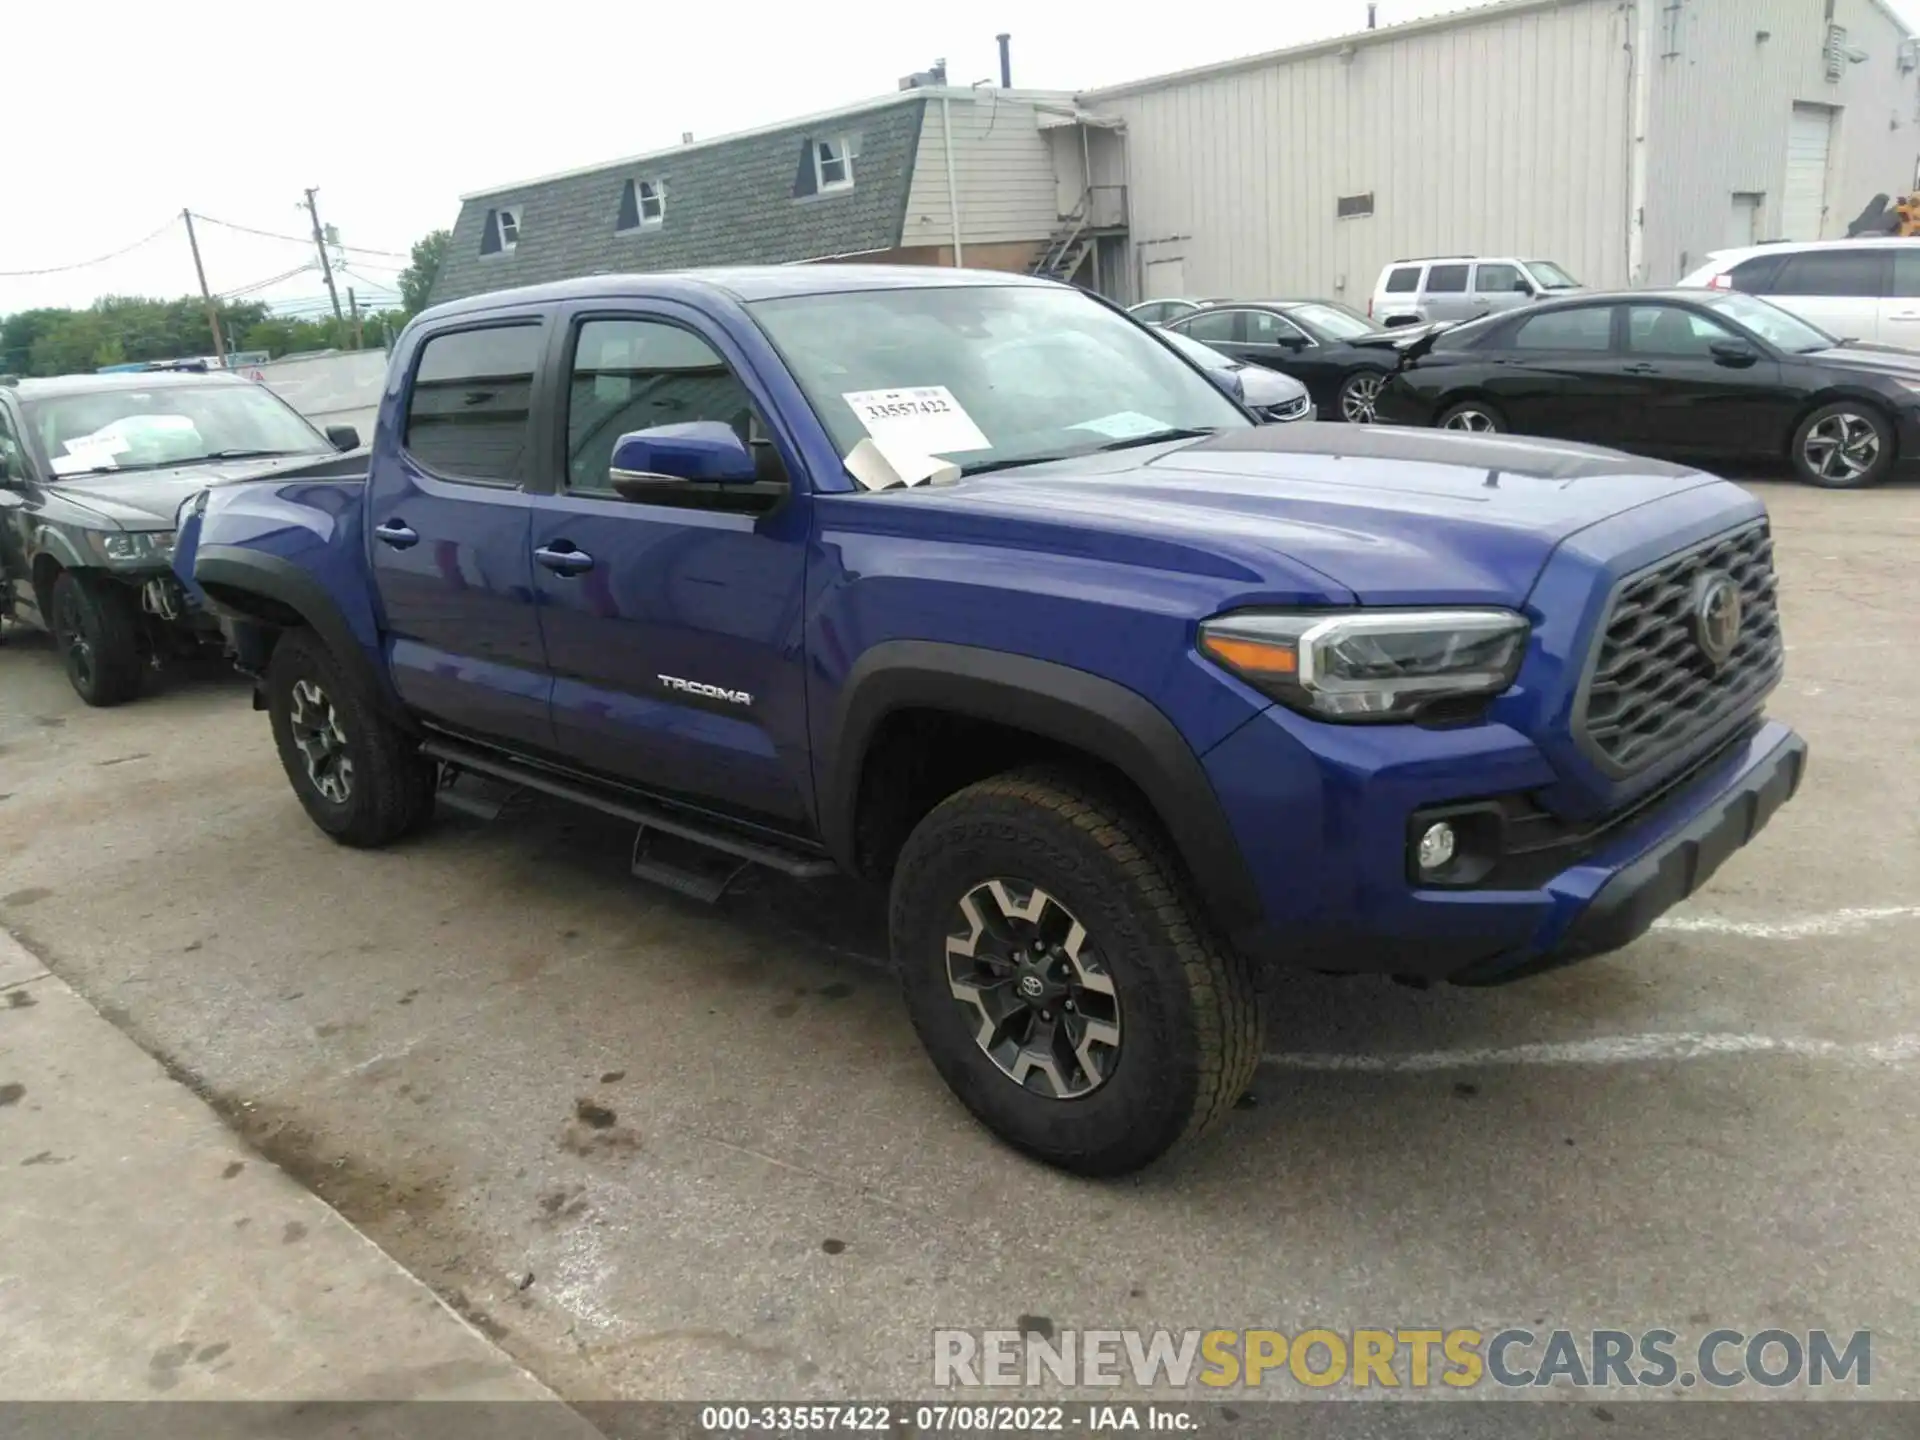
{"x":1006,"y":62}
{"x":1370,"y":14}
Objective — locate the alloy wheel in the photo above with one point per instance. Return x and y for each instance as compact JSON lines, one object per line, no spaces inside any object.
{"x":71,"y":632}
{"x":1360,"y":399}
{"x":1034,"y":990}
{"x":1475,"y":420}
{"x":1843,"y":446}
{"x":321,"y":742}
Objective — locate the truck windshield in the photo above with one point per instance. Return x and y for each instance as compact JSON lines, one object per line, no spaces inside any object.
{"x":988,"y":376}
{"x":139,"y":429}
{"x":1549,"y":276}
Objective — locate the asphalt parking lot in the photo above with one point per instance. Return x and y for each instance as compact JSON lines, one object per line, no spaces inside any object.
{"x":1718,"y":1126}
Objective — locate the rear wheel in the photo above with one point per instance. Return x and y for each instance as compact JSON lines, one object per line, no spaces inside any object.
{"x":1843,"y":446}
{"x":1064,"y":983}
{"x":1360,"y":397}
{"x":1473,"y":415}
{"x":358,"y":775}
{"x":97,"y":627}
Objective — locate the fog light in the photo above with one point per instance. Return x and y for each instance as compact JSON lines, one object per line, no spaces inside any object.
{"x":1436,"y":846}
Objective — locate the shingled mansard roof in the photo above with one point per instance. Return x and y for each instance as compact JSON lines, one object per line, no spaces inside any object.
{"x":747,"y":199}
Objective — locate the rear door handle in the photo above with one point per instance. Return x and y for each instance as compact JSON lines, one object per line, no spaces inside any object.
{"x":396,"y":533}
{"x":1908,"y":315}
{"x":563,"y":558}
{"x":1642,"y":368}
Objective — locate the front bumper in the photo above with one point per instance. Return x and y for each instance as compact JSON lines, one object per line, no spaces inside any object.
{"x":1332,"y":871}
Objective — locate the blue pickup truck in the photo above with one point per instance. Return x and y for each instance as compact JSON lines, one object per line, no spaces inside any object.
{"x":1128,"y":701}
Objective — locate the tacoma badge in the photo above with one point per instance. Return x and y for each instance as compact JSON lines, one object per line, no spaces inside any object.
{"x":712,"y":692}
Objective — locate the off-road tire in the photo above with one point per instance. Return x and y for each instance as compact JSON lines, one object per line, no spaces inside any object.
{"x":1190,"y":1027}
{"x":96,"y":625}
{"x":391,"y":789}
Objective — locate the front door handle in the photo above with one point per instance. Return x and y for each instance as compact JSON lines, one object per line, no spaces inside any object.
{"x":1643,"y":368}
{"x":396,"y":533}
{"x":563,"y":558}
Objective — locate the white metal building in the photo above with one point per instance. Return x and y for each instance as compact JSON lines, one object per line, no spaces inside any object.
{"x":1621,"y":138}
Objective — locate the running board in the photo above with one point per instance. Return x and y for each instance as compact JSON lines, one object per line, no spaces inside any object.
{"x":706,"y":881}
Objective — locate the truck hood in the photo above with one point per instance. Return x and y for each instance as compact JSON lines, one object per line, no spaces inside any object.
{"x":149,"y":499}
{"x":1391,"y":516}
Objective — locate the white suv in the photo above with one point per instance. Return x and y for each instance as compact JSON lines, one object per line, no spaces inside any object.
{"x":1461,"y":287}
{"x":1853,"y":289}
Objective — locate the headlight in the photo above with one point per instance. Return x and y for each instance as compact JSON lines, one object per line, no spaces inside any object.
{"x":1369,"y":665}
{"x":133,"y":547}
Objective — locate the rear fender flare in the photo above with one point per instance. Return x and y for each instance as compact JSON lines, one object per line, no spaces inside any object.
{"x":1102,"y":719}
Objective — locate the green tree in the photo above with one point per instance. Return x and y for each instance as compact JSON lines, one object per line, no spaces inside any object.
{"x":416,"y":281}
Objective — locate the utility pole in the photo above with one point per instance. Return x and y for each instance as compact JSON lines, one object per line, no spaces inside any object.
{"x":320,"y":244}
{"x":353,"y":305}
{"x":213,"y":311}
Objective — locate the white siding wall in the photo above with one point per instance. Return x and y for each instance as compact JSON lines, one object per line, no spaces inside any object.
{"x":1723,"y":102}
{"x":1002,"y":170}
{"x":1502,"y":134}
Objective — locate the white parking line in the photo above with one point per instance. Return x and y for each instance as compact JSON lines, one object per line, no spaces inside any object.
{"x":1834,"y":922}
{"x":1616,"y":1050}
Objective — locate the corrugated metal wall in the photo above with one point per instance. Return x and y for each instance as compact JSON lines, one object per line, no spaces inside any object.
{"x":1723,"y":101}
{"x":1504,"y":133}
{"x":1002,"y":172}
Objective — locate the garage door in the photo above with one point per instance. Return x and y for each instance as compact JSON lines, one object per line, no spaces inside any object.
{"x":1804,"y":205}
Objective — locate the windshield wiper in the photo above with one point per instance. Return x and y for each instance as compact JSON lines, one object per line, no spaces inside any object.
{"x":1155,"y":437}
{"x":241,"y":453}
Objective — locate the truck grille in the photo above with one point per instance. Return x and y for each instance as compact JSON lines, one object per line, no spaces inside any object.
{"x":1653,"y":688}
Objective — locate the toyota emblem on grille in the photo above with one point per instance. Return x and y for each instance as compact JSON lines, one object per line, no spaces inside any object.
{"x":1716,"y":616}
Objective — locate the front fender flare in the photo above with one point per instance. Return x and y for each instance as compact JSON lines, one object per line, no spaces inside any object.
{"x":1096,"y":716}
{"x":225,"y":571}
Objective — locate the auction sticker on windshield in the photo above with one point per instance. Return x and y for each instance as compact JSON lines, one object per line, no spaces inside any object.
{"x":925,"y":419}
{"x":91,"y":452}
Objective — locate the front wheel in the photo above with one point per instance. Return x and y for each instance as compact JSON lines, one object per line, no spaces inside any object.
{"x":358,"y":775}
{"x":96,"y":626}
{"x":1360,"y":397}
{"x":1843,"y":446}
{"x":1476,"y":416}
{"x":1064,"y":983}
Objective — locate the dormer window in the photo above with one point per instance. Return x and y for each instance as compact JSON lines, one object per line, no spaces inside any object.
{"x":833,"y":163}
{"x":501,"y":231}
{"x":643,"y":205}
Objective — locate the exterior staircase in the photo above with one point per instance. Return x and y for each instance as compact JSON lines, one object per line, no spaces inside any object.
{"x":1067,"y":247}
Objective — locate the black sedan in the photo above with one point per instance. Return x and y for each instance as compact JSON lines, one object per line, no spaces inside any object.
{"x":1690,"y":374}
{"x":1319,"y":343}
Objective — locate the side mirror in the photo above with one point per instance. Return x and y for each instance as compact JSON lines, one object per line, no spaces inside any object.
{"x":1293,"y":342}
{"x":1230,"y":382}
{"x":1737,"y":353}
{"x":343,"y":437}
{"x":702,"y":450}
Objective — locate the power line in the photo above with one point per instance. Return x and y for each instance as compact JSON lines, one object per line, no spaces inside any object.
{"x":240,"y":290}
{"x":295,"y":239}
{"x":101,"y":259}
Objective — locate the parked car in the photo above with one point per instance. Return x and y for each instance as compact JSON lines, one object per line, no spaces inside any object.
{"x":1312,"y":340}
{"x":1454,"y":288}
{"x":92,"y":469}
{"x":1145,"y":700}
{"x":1268,"y":393}
{"x":1700,"y":375}
{"x":1856,"y":289}
{"x":1159,"y":312}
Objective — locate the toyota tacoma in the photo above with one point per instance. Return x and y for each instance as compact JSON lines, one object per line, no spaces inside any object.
{"x":1126,"y":698}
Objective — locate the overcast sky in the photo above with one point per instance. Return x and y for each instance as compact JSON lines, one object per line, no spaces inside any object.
{"x":120,"y":114}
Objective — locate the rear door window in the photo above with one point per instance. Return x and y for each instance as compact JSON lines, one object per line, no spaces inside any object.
{"x":471,"y":403}
{"x":1839,"y":273}
{"x":1447,"y":280}
{"x":1215,"y":327}
{"x":1585,"y":328}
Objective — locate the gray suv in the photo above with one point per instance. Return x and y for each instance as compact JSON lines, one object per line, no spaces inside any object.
{"x":1461,"y":287}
